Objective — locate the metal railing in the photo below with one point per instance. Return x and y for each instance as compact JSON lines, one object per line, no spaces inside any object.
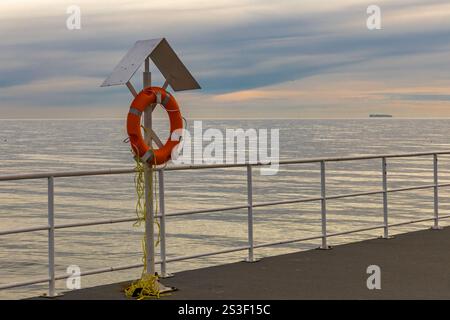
{"x":250,"y":205}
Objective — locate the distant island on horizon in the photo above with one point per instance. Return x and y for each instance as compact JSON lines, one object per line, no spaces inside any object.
{"x":380,"y":116}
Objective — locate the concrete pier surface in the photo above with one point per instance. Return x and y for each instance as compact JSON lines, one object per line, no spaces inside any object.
{"x":414,"y":265}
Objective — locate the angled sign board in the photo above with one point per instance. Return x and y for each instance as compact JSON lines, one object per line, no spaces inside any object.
{"x":164,"y":58}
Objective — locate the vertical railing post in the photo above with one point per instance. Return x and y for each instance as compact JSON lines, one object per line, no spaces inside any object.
{"x":323,"y":205}
{"x":162,"y":225}
{"x":51,"y":238}
{"x":149,"y":222}
{"x":436,"y":192}
{"x":385,"y":201}
{"x":250,"y":257}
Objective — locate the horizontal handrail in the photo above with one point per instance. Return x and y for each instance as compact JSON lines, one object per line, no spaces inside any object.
{"x":65,"y":275}
{"x":219,"y":209}
{"x":185,"y":213}
{"x":23,"y":230}
{"x":67,"y":225}
{"x":417,"y":221}
{"x":65,"y":174}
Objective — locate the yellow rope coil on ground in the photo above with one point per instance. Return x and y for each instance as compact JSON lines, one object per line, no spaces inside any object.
{"x":147,"y":286}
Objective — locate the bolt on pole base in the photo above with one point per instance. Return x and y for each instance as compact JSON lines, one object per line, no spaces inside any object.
{"x":163,"y":289}
{"x":251,"y":260}
{"x":46,"y":296}
{"x":324,"y":245}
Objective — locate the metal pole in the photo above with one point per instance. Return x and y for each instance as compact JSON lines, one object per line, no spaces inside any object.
{"x":162,"y":224}
{"x":51,"y":238}
{"x":323,"y":205}
{"x":436,"y":192}
{"x":385,"y":201}
{"x":250,"y":213}
{"x":149,"y":219}
{"x":147,"y":76}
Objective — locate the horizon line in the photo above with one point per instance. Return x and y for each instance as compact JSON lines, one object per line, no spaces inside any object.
{"x":244,"y":118}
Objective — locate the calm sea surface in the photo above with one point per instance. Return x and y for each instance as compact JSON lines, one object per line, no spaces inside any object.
{"x":32,"y":146}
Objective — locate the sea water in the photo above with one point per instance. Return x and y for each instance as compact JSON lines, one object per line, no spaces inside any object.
{"x":33,"y":146}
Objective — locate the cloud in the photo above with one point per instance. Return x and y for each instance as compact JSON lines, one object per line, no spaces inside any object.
{"x":240,"y":51}
{"x":420,"y":97}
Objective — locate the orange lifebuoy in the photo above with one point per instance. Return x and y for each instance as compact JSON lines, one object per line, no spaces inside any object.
{"x":145,"y":98}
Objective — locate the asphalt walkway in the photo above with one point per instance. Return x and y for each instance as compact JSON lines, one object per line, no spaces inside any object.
{"x":414,"y":265}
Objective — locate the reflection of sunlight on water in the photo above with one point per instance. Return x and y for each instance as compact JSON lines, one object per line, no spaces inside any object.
{"x":98,"y":145}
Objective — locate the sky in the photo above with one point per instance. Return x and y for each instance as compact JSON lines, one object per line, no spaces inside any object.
{"x":252,"y":58}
